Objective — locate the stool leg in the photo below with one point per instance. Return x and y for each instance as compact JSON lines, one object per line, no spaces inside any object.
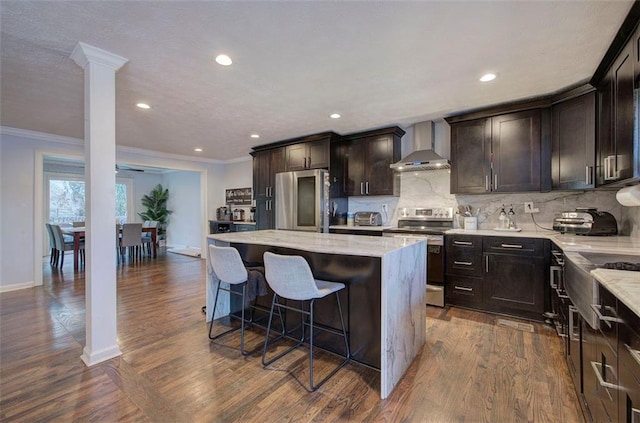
{"x":311,"y":346}
{"x":213,"y":314}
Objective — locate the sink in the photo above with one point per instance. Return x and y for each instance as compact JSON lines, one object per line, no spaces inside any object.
{"x":599,"y":259}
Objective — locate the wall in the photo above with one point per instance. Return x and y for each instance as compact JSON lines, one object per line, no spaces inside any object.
{"x":237,"y":175}
{"x":185,"y":225}
{"x":18,"y":152}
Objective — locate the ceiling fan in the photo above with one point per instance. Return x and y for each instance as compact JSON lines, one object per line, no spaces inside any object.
{"x":127,"y":168}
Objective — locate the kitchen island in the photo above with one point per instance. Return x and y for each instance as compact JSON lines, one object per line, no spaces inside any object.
{"x":385,"y":289}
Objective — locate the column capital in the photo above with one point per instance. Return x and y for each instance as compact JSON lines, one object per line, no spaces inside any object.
{"x":83,"y":54}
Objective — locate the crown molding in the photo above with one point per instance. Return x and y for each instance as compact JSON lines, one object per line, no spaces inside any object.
{"x":84,"y":54}
{"x":59,"y":139}
{"x":40,"y":136}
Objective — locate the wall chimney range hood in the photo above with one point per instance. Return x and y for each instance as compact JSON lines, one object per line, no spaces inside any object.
{"x":424,"y":157}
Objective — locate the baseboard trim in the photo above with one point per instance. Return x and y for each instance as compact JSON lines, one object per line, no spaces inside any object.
{"x":16,"y":286}
{"x":93,"y":358}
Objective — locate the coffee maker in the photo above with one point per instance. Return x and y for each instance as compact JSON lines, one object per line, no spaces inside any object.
{"x":223,"y":213}
{"x":252,"y":214}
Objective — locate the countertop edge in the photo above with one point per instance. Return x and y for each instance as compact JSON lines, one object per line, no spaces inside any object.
{"x":619,"y":283}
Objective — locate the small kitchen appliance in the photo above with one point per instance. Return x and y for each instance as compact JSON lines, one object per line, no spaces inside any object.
{"x":223,"y":213}
{"x":238,"y":215}
{"x":586,"y":221}
{"x":367,"y":219}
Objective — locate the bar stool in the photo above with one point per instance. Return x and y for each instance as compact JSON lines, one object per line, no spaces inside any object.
{"x":290,"y":278}
{"x":229,"y":268}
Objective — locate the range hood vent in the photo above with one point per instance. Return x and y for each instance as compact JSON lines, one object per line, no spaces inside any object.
{"x":424,"y":157}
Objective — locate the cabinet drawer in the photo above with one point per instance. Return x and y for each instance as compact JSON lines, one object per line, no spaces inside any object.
{"x":607,"y":307}
{"x":463,"y":290}
{"x":629,"y":341}
{"x":514,"y":245}
{"x":464,"y":256}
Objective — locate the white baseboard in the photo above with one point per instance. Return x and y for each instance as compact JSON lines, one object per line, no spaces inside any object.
{"x":91,"y":358}
{"x":17,"y":286}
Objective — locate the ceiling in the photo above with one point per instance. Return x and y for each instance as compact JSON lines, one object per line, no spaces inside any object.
{"x":375,"y":63}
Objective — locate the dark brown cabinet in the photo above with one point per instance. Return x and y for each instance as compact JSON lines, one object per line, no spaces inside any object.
{"x":464,"y":274}
{"x":501,"y":153}
{"x":471,"y":156}
{"x":266,"y":163}
{"x":573,"y":143}
{"x":366,"y":159}
{"x":307,"y":155}
{"x":616,"y":158}
{"x":514,"y":279}
{"x":497,"y":274}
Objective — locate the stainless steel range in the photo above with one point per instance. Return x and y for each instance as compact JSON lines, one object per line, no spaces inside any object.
{"x":429,"y":224}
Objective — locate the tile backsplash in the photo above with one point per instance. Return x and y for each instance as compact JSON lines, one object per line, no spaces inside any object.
{"x":431,"y":189}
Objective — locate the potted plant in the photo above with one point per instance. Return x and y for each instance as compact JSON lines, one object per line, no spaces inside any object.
{"x":156,"y":204}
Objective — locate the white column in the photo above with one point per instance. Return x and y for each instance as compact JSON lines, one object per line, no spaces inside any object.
{"x":100,"y":160}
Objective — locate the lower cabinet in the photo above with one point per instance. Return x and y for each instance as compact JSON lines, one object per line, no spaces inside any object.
{"x":499,"y":274}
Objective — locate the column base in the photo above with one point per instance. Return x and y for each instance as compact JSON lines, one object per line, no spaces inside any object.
{"x":91,"y":358}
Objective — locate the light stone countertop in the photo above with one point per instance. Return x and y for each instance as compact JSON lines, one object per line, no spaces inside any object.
{"x":623,"y":284}
{"x":355,"y":245}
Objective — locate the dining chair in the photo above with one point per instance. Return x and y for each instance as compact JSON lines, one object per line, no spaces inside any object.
{"x":52,"y":244}
{"x":290,"y":278}
{"x":131,"y":239}
{"x":64,"y":243}
{"x":147,"y":239}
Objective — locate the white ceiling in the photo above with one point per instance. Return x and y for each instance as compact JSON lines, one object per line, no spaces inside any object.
{"x":376,"y":63}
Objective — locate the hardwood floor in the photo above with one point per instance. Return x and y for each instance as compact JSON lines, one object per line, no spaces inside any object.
{"x":470,"y":370}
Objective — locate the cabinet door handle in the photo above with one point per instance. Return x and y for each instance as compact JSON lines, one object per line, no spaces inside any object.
{"x":366,"y":185}
{"x":486,"y":182}
{"x":463,"y":263}
{"x":305,"y":163}
{"x":463,"y":288}
{"x":486,"y":264}
{"x":361,"y":188}
{"x":601,"y":381}
{"x":495,"y":182}
{"x":634,"y":353}
{"x":309,"y":161}
{"x":463,"y":243}
{"x":588,"y":175}
{"x":607,"y":319}
{"x":561,"y":295}
{"x":516,"y":246}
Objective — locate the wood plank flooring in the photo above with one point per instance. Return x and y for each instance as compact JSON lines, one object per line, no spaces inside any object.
{"x":470,"y":370}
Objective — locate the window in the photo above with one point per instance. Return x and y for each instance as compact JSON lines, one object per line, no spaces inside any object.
{"x":66,"y":199}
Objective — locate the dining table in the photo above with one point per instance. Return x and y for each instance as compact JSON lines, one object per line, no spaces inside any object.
{"x":78,"y":234}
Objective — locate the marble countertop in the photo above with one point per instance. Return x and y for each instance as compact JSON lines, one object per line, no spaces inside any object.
{"x":623,"y":284}
{"x":354,"y":245}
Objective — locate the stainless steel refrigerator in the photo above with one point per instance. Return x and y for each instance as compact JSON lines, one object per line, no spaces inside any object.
{"x":302,"y":200}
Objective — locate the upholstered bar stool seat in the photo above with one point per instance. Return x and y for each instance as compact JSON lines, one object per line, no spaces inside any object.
{"x":290,"y":278}
{"x":229,"y":268}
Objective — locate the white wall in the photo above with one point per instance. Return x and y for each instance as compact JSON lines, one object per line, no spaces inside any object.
{"x":185,"y":226}
{"x":237,"y":175}
{"x":143,"y":183}
{"x":19,"y":150}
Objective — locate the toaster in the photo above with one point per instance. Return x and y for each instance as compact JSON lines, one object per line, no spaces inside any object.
{"x":585,"y":221}
{"x":367,"y":219}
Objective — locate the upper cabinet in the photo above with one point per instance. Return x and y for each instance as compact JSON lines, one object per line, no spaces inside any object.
{"x":366,"y":157}
{"x":573,"y":142}
{"x":266,"y":163}
{"x":617,"y":79}
{"x":308,"y":155}
{"x":500,"y":153}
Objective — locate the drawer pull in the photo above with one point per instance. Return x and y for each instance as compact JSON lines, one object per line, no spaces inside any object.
{"x":601,"y":381}
{"x":463,"y":288}
{"x":463,"y":263}
{"x":511,"y":246}
{"x":561,"y":295}
{"x":596,"y":308}
{"x":463,"y":242}
{"x":634,"y":353}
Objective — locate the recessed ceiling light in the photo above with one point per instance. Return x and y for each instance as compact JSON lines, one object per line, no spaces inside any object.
{"x":488,"y":77}
{"x":224,"y":60}
{"x":198,"y":150}
{"x":255,"y":136}
{"x":143,"y":105}
{"x":335,"y":116}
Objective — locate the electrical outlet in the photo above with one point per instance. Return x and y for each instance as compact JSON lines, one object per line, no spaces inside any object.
{"x":528,"y":207}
